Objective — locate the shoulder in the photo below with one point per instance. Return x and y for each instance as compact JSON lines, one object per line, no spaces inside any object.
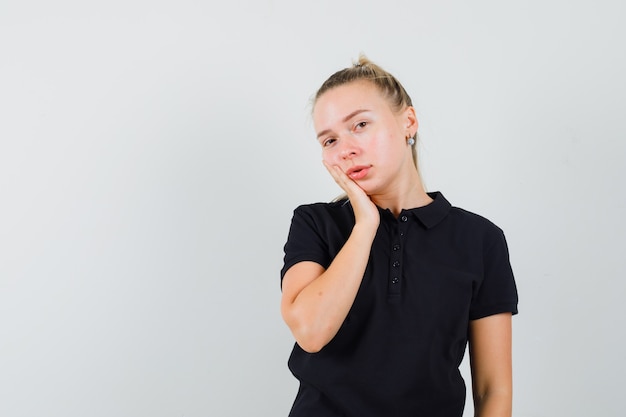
{"x":474,"y":226}
{"x":474,"y":220}
{"x":491,"y":236}
{"x":336,"y":210}
{"x":441,"y":210}
{"x":317,"y":232}
{"x":324,"y":206}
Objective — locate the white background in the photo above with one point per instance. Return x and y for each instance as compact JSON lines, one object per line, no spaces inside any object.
{"x":152,"y":152}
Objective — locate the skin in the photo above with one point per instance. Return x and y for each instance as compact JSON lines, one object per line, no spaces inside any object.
{"x":490,"y":362}
{"x":358,"y":129}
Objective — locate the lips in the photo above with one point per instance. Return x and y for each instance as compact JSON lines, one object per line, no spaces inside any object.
{"x":358,"y":172}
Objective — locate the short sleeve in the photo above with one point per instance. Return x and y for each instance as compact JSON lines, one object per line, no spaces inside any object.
{"x":305,"y":241}
{"x":497,"y":292}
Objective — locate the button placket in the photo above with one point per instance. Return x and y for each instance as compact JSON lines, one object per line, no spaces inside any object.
{"x":395,"y":272}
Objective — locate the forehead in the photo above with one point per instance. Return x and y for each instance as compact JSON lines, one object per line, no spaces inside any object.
{"x":344,"y":99}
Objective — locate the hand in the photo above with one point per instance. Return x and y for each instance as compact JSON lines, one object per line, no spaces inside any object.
{"x":365,"y":211}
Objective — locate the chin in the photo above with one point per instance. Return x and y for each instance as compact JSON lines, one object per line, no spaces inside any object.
{"x":369,"y":190}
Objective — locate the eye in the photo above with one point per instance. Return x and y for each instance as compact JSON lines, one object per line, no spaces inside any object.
{"x":327,"y":142}
{"x":360,"y":125}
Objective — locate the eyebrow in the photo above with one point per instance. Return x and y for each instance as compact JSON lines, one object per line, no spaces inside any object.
{"x":345,"y":119}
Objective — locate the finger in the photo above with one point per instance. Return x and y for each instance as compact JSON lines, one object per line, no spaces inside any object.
{"x":334,"y":172}
{"x":347,"y":184}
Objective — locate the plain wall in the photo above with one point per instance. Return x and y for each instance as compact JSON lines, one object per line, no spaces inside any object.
{"x":152,"y":152}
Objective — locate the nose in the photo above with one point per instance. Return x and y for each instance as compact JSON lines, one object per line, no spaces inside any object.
{"x":349,"y":149}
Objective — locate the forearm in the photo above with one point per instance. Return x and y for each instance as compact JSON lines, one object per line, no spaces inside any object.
{"x":493,"y":404}
{"x":491,"y":363}
{"x":318,"y":311}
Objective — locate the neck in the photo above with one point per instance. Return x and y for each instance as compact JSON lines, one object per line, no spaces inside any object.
{"x":410,"y":194}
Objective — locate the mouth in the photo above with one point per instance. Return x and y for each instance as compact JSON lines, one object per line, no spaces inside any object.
{"x":358,"y":172}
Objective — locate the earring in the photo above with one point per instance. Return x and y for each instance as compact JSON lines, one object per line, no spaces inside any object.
{"x":410,"y":141}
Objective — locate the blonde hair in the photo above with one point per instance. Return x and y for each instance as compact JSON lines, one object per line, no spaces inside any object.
{"x":365,"y":70}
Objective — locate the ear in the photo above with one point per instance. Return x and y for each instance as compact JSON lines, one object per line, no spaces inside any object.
{"x":410,"y":120}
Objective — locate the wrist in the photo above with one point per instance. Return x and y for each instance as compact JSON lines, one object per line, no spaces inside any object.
{"x":365,"y":229}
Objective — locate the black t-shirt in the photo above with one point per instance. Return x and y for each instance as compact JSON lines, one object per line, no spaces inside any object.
{"x":431,"y":270}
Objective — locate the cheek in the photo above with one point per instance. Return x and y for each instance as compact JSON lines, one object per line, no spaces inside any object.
{"x":328,"y":157}
{"x":396,"y":143}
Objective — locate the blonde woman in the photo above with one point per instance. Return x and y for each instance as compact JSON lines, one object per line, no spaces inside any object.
{"x":384,"y":288}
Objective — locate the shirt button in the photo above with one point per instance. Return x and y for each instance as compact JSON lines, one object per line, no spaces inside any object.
{"x":395,"y":280}
{"x":396,"y":264}
{"x":404,"y":218}
{"x":396,"y":247}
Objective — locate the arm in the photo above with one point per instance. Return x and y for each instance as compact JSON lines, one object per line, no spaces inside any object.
{"x":315,"y":302}
{"x":491,"y":363}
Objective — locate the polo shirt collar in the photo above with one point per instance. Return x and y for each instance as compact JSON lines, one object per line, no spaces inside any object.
{"x":430,"y":215}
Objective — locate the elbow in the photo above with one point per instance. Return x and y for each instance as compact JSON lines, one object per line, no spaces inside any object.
{"x":496,"y":402}
{"x":310,"y":345}
{"x":310,"y":336}
{"x":310,"y":339}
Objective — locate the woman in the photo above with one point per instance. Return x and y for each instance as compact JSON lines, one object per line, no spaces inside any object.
{"x":384,"y":288}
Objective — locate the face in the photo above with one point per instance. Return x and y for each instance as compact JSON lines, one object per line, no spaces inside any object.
{"x":360,"y":133}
